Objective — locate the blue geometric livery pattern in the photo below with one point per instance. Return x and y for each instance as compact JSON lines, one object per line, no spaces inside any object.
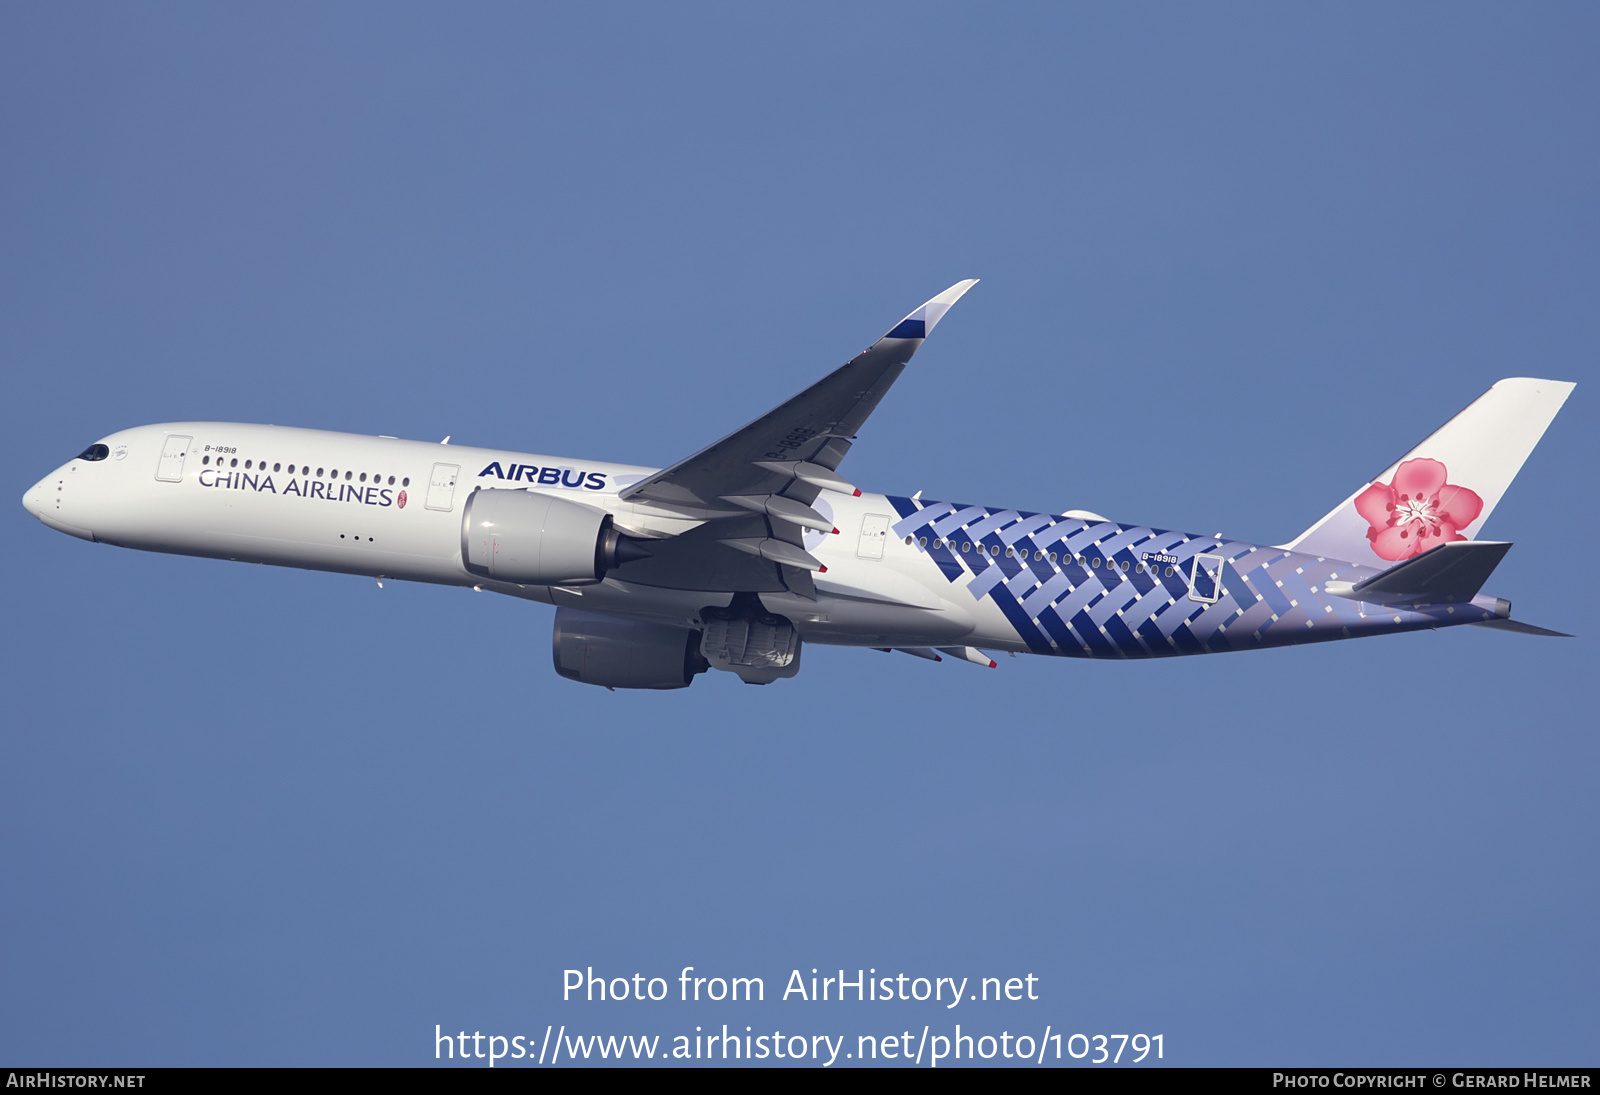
{"x":1098,"y":589}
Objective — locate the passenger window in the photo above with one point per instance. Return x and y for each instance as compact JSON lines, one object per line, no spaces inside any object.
{"x":319,"y":473}
{"x":966,"y":545}
{"x":363,"y":477}
{"x":234,"y":463}
{"x":406,"y":482}
{"x":1096,"y":564}
{"x":205,"y":460}
{"x":347,"y":475}
{"x":275,"y":466}
{"x":922,"y":541}
{"x":391,"y":480}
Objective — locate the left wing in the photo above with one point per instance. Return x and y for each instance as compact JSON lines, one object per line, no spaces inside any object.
{"x":754,"y":488}
{"x":802,"y":440}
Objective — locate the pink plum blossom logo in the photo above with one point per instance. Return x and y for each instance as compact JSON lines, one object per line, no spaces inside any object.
{"x":1418,"y":511}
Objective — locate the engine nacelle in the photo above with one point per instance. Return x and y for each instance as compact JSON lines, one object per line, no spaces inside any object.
{"x":536,"y":539}
{"x":613,"y":653}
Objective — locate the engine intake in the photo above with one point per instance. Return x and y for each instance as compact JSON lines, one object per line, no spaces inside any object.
{"x":535,"y":539}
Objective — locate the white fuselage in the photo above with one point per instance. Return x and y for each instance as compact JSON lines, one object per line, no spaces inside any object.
{"x":390,"y":508}
{"x":731,"y":556}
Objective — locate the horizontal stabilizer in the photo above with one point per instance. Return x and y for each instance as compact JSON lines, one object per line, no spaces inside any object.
{"x":1521,"y":628}
{"x":1449,"y":574}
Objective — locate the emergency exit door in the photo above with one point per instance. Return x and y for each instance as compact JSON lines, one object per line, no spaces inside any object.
{"x":442,"y":486}
{"x":1205,"y":579}
{"x":170,"y":469}
{"x":874,"y":531}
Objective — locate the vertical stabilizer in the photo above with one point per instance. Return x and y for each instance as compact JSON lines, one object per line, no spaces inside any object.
{"x":1444,"y":489}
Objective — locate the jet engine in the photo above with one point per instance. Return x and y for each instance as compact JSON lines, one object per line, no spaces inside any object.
{"x":613,"y":653}
{"x":537,"y":539}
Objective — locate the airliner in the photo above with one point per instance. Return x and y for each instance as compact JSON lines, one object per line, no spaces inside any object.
{"x":736,"y":556}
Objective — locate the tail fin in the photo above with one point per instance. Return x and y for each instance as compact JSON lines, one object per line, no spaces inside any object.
{"x":1443,"y":490}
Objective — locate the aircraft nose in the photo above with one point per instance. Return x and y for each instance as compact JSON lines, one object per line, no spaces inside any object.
{"x":44,"y":500}
{"x":34,"y":500}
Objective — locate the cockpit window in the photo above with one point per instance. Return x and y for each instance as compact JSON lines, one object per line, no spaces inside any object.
{"x":94,"y":452}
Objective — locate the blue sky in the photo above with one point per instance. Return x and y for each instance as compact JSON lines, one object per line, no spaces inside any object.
{"x":1235,"y":260}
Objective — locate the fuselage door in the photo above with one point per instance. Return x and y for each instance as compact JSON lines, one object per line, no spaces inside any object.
{"x":170,"y":470}
{"x":874,"y":530}
{"x":1205,"y":579}
{"x":442,"y":486}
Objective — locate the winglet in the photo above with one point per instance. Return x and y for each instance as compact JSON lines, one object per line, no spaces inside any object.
{"x":920,"y":324}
